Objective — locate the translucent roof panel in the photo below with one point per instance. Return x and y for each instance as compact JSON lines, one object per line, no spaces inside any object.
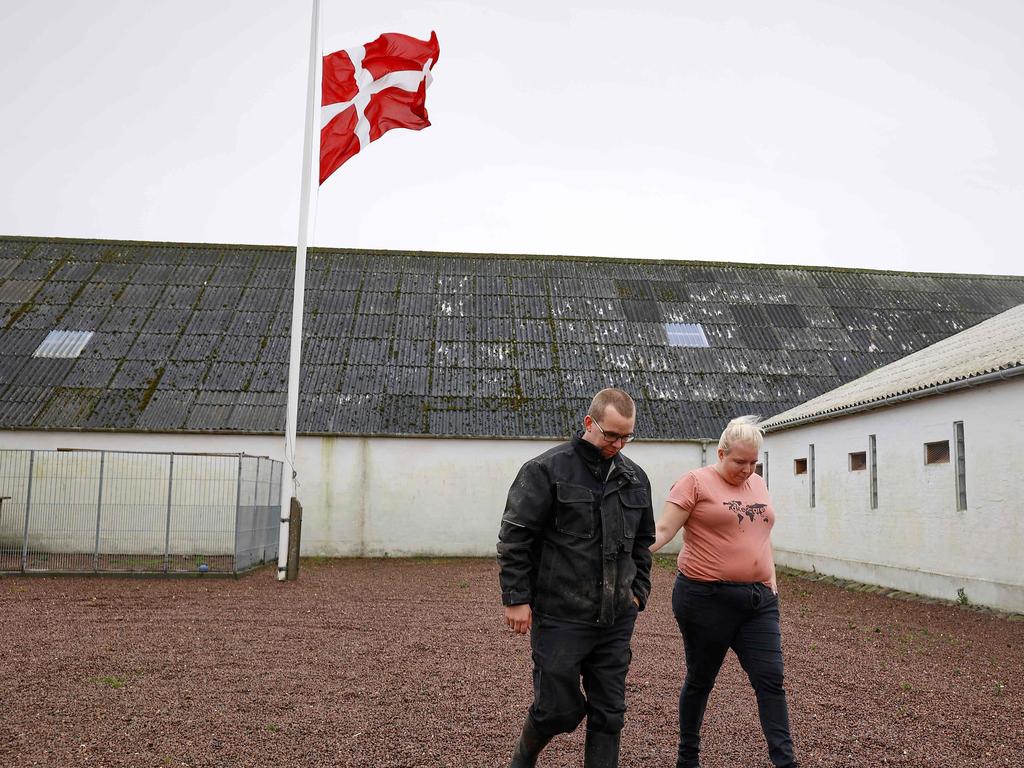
{"x":66,"y":344}
{"x":686,"y":335}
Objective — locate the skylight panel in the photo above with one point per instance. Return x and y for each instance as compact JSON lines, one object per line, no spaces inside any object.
{"x":686,"y":335}
{"x":63,"y":344}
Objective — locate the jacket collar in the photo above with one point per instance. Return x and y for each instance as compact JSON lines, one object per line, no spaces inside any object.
{"x":598,"y":464}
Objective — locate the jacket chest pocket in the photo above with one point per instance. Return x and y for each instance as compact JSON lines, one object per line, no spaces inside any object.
{"x":574,"y":512}
{"x":634,"y":501}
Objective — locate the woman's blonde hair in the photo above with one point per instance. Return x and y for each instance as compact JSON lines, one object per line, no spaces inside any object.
{"x":742,"y":429}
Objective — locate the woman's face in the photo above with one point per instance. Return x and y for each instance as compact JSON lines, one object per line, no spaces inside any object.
{"x":738,"y":464}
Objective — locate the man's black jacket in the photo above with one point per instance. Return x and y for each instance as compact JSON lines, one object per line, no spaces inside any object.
{"x":574,"y":540}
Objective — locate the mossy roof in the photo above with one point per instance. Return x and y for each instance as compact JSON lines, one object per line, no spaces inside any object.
{"x":194,"y":337}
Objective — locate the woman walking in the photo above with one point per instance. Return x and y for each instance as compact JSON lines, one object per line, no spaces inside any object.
{"x":725,"y":593}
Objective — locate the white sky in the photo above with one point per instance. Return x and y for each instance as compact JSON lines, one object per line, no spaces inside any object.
{"x":865,"y":133}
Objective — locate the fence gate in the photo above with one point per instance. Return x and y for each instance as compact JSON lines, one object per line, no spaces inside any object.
{"x":134,"y":512}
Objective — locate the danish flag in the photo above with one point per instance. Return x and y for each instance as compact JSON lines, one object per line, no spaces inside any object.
{"x":371,"y":89}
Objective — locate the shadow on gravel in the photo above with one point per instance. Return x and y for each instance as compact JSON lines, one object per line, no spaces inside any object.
{"x":400,"y":663}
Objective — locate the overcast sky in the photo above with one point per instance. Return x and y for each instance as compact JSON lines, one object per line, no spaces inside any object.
{"x":865,"y":133}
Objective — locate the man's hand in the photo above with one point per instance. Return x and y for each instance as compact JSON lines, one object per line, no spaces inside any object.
{"x":519,"y":618}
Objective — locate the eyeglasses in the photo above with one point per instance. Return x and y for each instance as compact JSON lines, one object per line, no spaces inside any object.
{"x":613,"y":437}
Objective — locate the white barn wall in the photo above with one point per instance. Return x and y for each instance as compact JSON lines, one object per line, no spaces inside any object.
{"x":916,"y":540}
{"x":421,"y":496}
{"x":388,"y":496}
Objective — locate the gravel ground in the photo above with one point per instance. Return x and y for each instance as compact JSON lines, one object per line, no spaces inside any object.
{"x":389,"y":663}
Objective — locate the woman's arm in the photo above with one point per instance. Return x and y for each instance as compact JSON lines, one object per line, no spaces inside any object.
{"x":673,"y":517}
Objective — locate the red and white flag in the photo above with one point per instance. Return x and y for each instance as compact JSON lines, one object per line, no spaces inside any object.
{"x":371,"y":89}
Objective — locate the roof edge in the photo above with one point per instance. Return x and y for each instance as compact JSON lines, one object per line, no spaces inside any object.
{"x":515,"y":256}
{"x":917,"y":394}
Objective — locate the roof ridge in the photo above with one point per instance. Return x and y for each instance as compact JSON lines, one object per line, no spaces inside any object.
{"x":512,"y":256}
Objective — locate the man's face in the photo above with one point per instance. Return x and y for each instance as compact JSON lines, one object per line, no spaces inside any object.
{"x":738,"y":464}
{"x":608,"y":431}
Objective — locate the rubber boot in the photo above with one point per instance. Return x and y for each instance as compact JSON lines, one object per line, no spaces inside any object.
{"x":530,"y":743}
{"x":601,"y":750}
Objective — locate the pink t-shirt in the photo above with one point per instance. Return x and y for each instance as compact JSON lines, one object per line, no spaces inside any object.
{"x":728,"y":530}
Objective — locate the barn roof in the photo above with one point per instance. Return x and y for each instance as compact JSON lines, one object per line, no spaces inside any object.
{"x":194,"y":337}
{"x":989,"y":351}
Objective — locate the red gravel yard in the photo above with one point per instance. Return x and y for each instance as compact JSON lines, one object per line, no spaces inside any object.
{"x":388,"y":663}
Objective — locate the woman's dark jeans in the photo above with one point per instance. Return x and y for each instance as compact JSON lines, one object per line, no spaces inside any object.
{"x":714,"y":617}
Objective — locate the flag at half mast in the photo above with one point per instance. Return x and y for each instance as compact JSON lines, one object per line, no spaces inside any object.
{"x":371,"y":89}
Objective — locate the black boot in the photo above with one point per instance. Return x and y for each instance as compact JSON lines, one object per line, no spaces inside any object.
{"x":529,"y":746}
{"x":601,"y":750}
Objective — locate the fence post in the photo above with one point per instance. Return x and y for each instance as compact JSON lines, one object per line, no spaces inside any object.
{"x":167,"y":531}
{"x":28,"y":505}
{"x":99,"y":510}
{"x":257,"y":519}
{"x":238,"y":509}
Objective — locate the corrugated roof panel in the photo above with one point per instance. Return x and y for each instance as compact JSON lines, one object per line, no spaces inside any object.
{"x":402,"y":414}
{"x":368,"y":351}
{"x":211,"y":411}
{"x":229,"y":377}
{"x":116,"y":409}
{"x":69,"y":406}
{"x":180,"y":296}
{"x":411,"y":350}
{"x":277,"y":349}
{"x":137,"y":374}
{"x":91,"y":373}
{"x":197,"y":347}
{"x":167,"y":320}
{"x":152,"y":346}
{"x":241,"y":349}
{"x":269,"y":377}
{"x":37,"y":317}
{"x":214,"y":322}
{"x":372,"y":326}
{"x":19,"y":406}
{"x":220,"y":297}
{"x":32,"y":269}
{"x":250,"y":323}
{"x":114,"y":273}
{"x":63,"y":344}
{"x":183,"y":375}
{"x":258,"y":412}
{"x":98,"y":294}
{"x":153,"y":274}
{"x":259,"y":299}
{"x":235,"y":276}
{"x":320,"y":378}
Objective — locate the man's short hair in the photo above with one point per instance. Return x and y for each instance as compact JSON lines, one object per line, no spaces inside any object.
{"x":618,"y":398}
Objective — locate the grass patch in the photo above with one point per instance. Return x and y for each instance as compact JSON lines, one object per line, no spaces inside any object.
{"x":110,"y":681}
{"x":665,"y":562}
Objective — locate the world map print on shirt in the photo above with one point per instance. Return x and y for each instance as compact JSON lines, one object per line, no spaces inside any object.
{"x":750,"y":511}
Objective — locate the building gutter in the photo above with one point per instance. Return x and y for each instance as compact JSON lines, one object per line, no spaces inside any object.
{"x":937,"y":389}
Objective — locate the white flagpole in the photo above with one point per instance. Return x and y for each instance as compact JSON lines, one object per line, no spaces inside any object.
{"x":289,"y":477}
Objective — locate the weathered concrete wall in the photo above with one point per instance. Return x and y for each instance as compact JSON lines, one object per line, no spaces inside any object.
{"x":381,"y":496}
{"x":388,"y":496}
{"x":916,"y":540}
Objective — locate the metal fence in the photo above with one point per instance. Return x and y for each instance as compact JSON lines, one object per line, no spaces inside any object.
{"x":133,"y":512}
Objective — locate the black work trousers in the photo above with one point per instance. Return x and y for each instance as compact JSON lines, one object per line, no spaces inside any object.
{"x":566,"y":653}
{"x":714,"y":617}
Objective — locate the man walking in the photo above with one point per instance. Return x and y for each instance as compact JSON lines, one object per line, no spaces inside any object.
{"x":575,"y":571}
